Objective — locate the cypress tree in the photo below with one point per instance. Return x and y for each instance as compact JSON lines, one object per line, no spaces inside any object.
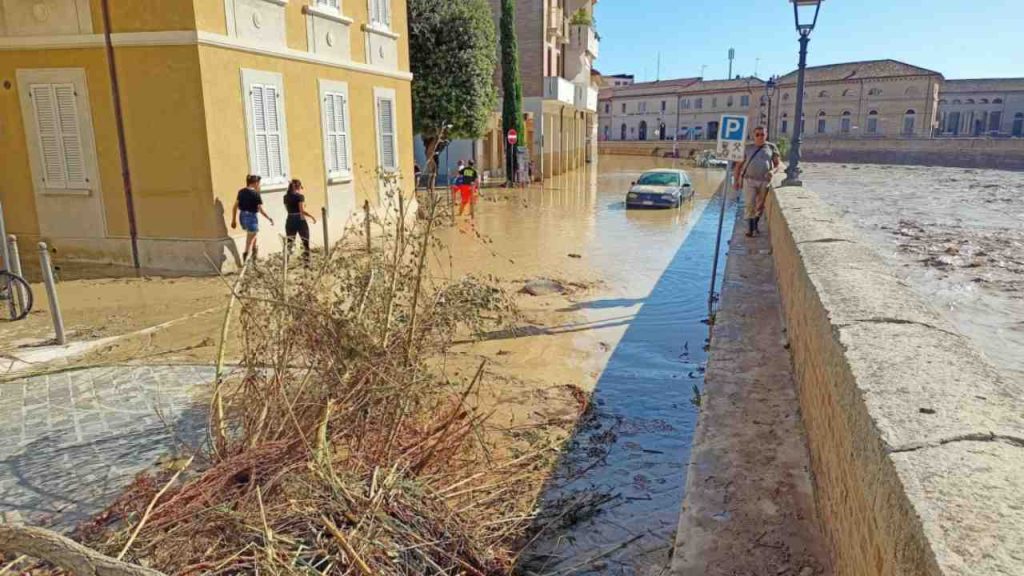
{"x":512,"y":106}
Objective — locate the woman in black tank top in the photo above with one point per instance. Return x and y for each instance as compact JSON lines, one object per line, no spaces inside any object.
{"x":295,"y":203}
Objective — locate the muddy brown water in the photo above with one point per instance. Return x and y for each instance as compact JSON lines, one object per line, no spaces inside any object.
{"x":612,"y":504}
{"x":956,"y":235}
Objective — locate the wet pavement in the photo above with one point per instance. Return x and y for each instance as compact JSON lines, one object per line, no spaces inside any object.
{"x":956,"y":235}
{"x":73,"y":440}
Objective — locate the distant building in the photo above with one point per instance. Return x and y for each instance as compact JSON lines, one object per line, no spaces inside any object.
{"x":986,"y":107}
{"x":873,"y":99}
{"x":620,"y":80}
{"x":683,"y":109}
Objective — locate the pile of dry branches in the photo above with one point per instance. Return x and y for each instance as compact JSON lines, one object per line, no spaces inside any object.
{"x":342,"y":446}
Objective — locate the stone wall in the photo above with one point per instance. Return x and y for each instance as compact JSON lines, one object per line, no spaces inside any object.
{"x":916,"y":441}
{"x":1003,"y":154}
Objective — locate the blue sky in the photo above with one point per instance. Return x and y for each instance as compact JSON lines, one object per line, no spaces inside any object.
{"x":960,"y":38}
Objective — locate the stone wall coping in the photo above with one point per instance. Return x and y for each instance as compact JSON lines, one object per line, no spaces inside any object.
{"x":942,"y":428}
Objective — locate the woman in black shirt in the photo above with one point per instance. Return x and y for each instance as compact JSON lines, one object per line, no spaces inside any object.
{"x":295,"y":203}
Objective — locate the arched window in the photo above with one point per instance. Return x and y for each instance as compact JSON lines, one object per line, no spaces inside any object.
{"x":1018,"y":125}
{"x":845,"y":122}
{"x":662,"y":133}
{"x":875,"y":92}
{"x":607,"y":132}
{"x":847,"y":93}
{"x":997,"y":101}
{"x":822,"y":122}
{"x":983,"y":101}
{"x":622,"y":136}
{"x":684,"y":133}
{"x":969,"y":101}
{"x":957,"y":101}
{"x":643,"y":130}
{"x":943,"y":101}
{"x":873,"y":122}
{"x":824,"y":94}
{"x":908,"y":123}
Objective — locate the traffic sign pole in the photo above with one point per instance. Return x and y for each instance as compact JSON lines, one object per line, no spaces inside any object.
{"x":726,"y":190}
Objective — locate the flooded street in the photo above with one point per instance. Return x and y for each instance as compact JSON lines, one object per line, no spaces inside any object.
{"x":956,"y":235}
{"x":633,"y":335}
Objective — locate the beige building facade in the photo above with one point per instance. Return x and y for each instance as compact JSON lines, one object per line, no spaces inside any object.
{"x":984,"y":107}
{"x":684,"y":109}
{"x":873,"y":99}
{"x":210,"y":90}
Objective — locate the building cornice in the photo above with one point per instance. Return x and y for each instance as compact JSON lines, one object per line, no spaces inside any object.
{"x":189,"y":38}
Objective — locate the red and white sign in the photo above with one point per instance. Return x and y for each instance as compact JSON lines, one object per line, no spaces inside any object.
{"x":513,"y":137}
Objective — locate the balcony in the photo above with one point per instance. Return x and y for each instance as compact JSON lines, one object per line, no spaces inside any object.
{"x":560,"y":89}
{"x":556,"y":22}
{"x":582,"y":37}
{"x":586,"y":98}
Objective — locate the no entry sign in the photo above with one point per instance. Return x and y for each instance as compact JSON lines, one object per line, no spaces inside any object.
{"x":513,"y":137}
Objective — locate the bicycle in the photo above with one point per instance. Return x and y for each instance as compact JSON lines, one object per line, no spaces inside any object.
{"x":15,"y":295}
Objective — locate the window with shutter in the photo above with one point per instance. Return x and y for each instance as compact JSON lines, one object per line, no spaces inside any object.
{"x":380,"y":13}
{"x":336,"y":145}
{"x":267,"y":133}
{"x":386,"y":133}
{"x":60,"y":138}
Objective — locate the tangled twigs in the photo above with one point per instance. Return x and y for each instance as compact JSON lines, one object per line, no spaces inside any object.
{"x":345,"y":445}
{"x":64,"y":553}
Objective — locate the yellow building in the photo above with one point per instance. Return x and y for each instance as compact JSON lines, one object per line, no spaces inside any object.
{"x":128,"y":126}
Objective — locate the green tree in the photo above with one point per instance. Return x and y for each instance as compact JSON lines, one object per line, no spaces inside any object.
{"x":451,"y":48}
{"x":512,"y":105}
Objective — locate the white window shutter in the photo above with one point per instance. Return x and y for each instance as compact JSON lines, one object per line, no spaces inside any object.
{"x":386,"y":126}
{"x":259,"y":121}
{"x":71,"y":137}
{"x":44,"y":102}
{"x":330,"y":142}
{"x":275,"y":149}
{"x":340,"y":108}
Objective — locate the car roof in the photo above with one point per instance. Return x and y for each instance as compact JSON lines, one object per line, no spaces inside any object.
{"x":682,"y":173}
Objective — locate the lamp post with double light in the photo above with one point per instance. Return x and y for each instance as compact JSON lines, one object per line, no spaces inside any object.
{"x":805,"y":12}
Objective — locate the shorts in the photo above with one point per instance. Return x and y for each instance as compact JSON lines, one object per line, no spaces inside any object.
{"x":250,"y":222}
{"x":754,"y":195}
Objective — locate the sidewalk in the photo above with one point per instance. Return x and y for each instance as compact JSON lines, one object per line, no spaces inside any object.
{"x":749,"y":505}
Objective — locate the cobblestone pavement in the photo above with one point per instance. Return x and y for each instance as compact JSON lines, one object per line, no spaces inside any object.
{"x":70,"y":441}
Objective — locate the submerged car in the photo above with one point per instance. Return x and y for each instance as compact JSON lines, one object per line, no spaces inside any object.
{"x":660,"y":189}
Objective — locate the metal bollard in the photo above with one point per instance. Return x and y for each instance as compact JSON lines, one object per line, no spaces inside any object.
{"x":15,"y":268}
{"x":327,"y":238}
{"x":51,"y":293}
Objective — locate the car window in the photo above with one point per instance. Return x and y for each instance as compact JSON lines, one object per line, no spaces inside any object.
{"x":659,"y":179}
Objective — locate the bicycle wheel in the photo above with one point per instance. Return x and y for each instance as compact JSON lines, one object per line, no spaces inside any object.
{"x":15,"y":295}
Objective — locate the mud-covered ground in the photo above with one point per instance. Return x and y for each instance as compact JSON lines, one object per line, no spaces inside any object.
{"x":957,"y":235}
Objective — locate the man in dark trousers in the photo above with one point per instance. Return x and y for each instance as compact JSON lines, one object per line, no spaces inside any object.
{"x":754,"y":176}
{"x":248,"y":206}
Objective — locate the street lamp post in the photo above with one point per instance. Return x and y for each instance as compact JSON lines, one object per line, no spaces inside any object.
{"x":805,"y":7}
{"x":769,"y":92}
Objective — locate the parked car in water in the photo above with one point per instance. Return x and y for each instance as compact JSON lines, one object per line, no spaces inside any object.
{"x":708,"y":160}
{"x":660,"y":189}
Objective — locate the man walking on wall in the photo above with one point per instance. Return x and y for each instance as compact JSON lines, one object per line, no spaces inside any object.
{"x":248,"y":206}
{"x":754,"y":176}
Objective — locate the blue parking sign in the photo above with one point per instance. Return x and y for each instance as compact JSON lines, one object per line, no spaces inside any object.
{"x":732,"y":137}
